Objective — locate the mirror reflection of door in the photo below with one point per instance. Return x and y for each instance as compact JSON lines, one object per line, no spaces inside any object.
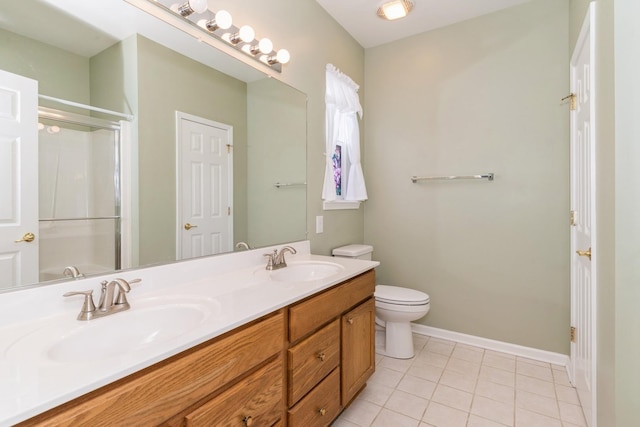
{"x":18,"y":180}
{"x":204,"y":187}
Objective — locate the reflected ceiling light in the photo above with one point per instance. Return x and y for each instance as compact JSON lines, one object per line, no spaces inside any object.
{"x":221,"y":20}
{"x":189,"y":7}
{"x":40,"y":126}
{"x":263,"y":46}
{"x":395,"y":9}
{"x":282,"y":57}
{"x":53,"y":129}
{"x":245,"y":34}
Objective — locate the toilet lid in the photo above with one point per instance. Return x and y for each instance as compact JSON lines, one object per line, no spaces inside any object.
{"x":398,"y":295}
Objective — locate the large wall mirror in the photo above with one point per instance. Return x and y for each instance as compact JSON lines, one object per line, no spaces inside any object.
{"x":184,"y":96}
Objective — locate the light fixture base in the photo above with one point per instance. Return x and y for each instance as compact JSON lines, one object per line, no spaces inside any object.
{"x":396,"y":9}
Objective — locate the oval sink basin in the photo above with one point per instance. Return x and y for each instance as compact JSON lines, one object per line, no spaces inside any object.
{"x":306,"y":271}
{"x":147,"y":323}
{"x":132,"y":330}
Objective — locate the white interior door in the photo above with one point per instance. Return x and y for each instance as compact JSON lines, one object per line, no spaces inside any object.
{"x":583,"y":242}
{"x":205,"y":187}
{"x":18,"y":180}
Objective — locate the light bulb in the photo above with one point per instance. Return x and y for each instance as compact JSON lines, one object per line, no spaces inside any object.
{"x":265,"y":45}
{"x":246,"y":34}
{"x":191,"y":6}
{"x":283,"y":56}
{"x":53,"y":129}
{"x":40,"y":126}
{"x":223,"y":19}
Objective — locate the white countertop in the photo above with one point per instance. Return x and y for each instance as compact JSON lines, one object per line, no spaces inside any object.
{"x":235,"y":287}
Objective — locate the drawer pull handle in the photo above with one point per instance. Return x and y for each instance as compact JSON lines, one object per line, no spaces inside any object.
{"x":322,"y":356}
{"x":248,"y":421}
{"x":350,"y":320}
{"x":323,"y":411}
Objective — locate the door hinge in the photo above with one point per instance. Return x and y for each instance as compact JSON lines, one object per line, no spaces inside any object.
{"x":574,"y":218}
{"x":573,"y":334}
{"x":229,"y":148}
{"x":573,"y":101}
{"x":229,"y":210}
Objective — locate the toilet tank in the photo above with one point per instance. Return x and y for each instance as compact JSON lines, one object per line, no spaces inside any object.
{"x":354,"y":251}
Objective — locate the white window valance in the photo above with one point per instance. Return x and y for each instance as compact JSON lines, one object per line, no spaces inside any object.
{"x":343,"y":179}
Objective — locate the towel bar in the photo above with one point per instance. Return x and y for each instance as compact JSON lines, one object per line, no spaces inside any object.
{"x":487,"y":176}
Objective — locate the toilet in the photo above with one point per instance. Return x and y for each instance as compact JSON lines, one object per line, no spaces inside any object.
{"x":396,"y":308}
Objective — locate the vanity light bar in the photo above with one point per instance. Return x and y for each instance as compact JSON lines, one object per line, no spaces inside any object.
{"x":219,"y":26}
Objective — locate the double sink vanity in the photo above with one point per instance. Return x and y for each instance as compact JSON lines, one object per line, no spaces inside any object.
{"x":210,"y":341}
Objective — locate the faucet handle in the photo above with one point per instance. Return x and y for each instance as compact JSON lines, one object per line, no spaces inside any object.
{"x":272,"y":258}
{"x":88,"y":307}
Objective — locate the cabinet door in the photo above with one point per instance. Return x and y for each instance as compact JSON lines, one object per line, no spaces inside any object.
{"x":358,"y":349}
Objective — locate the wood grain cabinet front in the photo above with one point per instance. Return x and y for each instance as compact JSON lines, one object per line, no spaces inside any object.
{"x":320,"y":407}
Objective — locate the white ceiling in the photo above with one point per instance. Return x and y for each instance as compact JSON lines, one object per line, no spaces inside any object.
{"x":359,"y":17}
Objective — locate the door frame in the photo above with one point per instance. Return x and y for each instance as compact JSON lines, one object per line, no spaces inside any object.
{"x":178,"y":145}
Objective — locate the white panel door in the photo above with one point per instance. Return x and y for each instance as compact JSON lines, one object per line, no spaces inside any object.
{"x":583,"y":243}
{"x":18,"y":180}
{"x":205,"y":171}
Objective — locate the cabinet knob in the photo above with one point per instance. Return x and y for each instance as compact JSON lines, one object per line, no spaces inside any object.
{"x":350,"y":320}
{"x":322,"y":411}
{"x":248,"y":421}
{"x":322,"y":356}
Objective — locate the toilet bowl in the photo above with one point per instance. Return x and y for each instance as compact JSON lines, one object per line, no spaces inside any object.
{"x":396,"y":308}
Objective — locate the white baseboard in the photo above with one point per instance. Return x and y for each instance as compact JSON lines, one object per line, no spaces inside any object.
{"x":504,"y":347}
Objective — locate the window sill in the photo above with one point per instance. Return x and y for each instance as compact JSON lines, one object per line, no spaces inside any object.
{"x":334,"y":205}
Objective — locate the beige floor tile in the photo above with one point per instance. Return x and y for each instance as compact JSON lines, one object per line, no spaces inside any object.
{"x":439,"y":347}
{"x":536,"y":403}
{"x":500,"y":362}
{"x":387,"y":377}
{"x":493,"y":410}
{"x":361,"y":413}
{"x":561,"y":377}
{"x":476,"y":421}
{"x":387,"y":418}
{"x":567,"y":394}
{"x":463,"y":366}
{"x":534,"y":385}
{"x":417,"y":386}
{"x":427,"y":357}
{"x":572,"y":414}
{"x":496,"y":375}
{"x":419,"y":341}
{"x":376,"y":393}
{"x":426,"y":372}
{"x":535,"y":371}
{"x":495,"y":391}
{"x":460,"y":381}
{"x":340,"y":422}
{"x":526,"y":418}
{"x":400,"y":365}
{"x":469,"y":354}
{"x":534,"y":362}
{"x":407,"y":404}
{"x":438,"y":415}
{"x":452,"y":397}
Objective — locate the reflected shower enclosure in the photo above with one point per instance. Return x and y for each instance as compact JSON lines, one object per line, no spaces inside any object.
{"x":79,"y":196}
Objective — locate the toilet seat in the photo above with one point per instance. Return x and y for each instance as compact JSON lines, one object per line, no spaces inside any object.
{"x":400,"y":296}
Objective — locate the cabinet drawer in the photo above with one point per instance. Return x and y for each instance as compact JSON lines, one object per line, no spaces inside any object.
{"x":255,"y":400}
{"x":316,"y":311}
{"x":160,"y":392}
{"x":321,"y":406}
{"x":312,"y":359}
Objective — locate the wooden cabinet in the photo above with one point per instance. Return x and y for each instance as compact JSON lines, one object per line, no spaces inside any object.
{"x":164,"y":393}
{"x":331,"y":353}
{"x":242,"y":378}
{"x":358,"y":349}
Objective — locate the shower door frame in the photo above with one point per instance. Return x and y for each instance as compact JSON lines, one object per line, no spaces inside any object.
{"x":97,"y":123}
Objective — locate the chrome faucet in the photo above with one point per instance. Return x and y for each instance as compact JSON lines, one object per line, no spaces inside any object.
{"x":112,"y":299}
{"x":72,"y":271}
{"x":243,"y":245}
{"x":276,"y":259}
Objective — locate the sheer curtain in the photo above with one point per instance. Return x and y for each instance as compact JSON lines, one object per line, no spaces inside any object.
{"x":342,"y":133}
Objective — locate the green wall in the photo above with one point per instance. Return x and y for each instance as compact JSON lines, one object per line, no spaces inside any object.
{"x":479,"y":96}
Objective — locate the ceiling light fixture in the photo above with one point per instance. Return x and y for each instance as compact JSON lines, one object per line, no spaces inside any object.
{"x":218,"y":26}
{"x":395,"y":9}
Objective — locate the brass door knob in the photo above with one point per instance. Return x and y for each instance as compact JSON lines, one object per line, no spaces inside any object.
{"x":28,"y":237}
{"x":248,"y":421}
{"x":586,"y":253}
{"x":188,"y":226}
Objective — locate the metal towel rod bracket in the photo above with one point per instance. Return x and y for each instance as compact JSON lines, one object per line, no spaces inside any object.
{"x":487,"y":176}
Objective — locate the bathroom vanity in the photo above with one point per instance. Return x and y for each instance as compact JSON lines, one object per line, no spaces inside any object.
{"x":283,"y":349}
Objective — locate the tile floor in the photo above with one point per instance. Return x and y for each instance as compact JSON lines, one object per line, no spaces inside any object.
{"x":449,"y":384}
